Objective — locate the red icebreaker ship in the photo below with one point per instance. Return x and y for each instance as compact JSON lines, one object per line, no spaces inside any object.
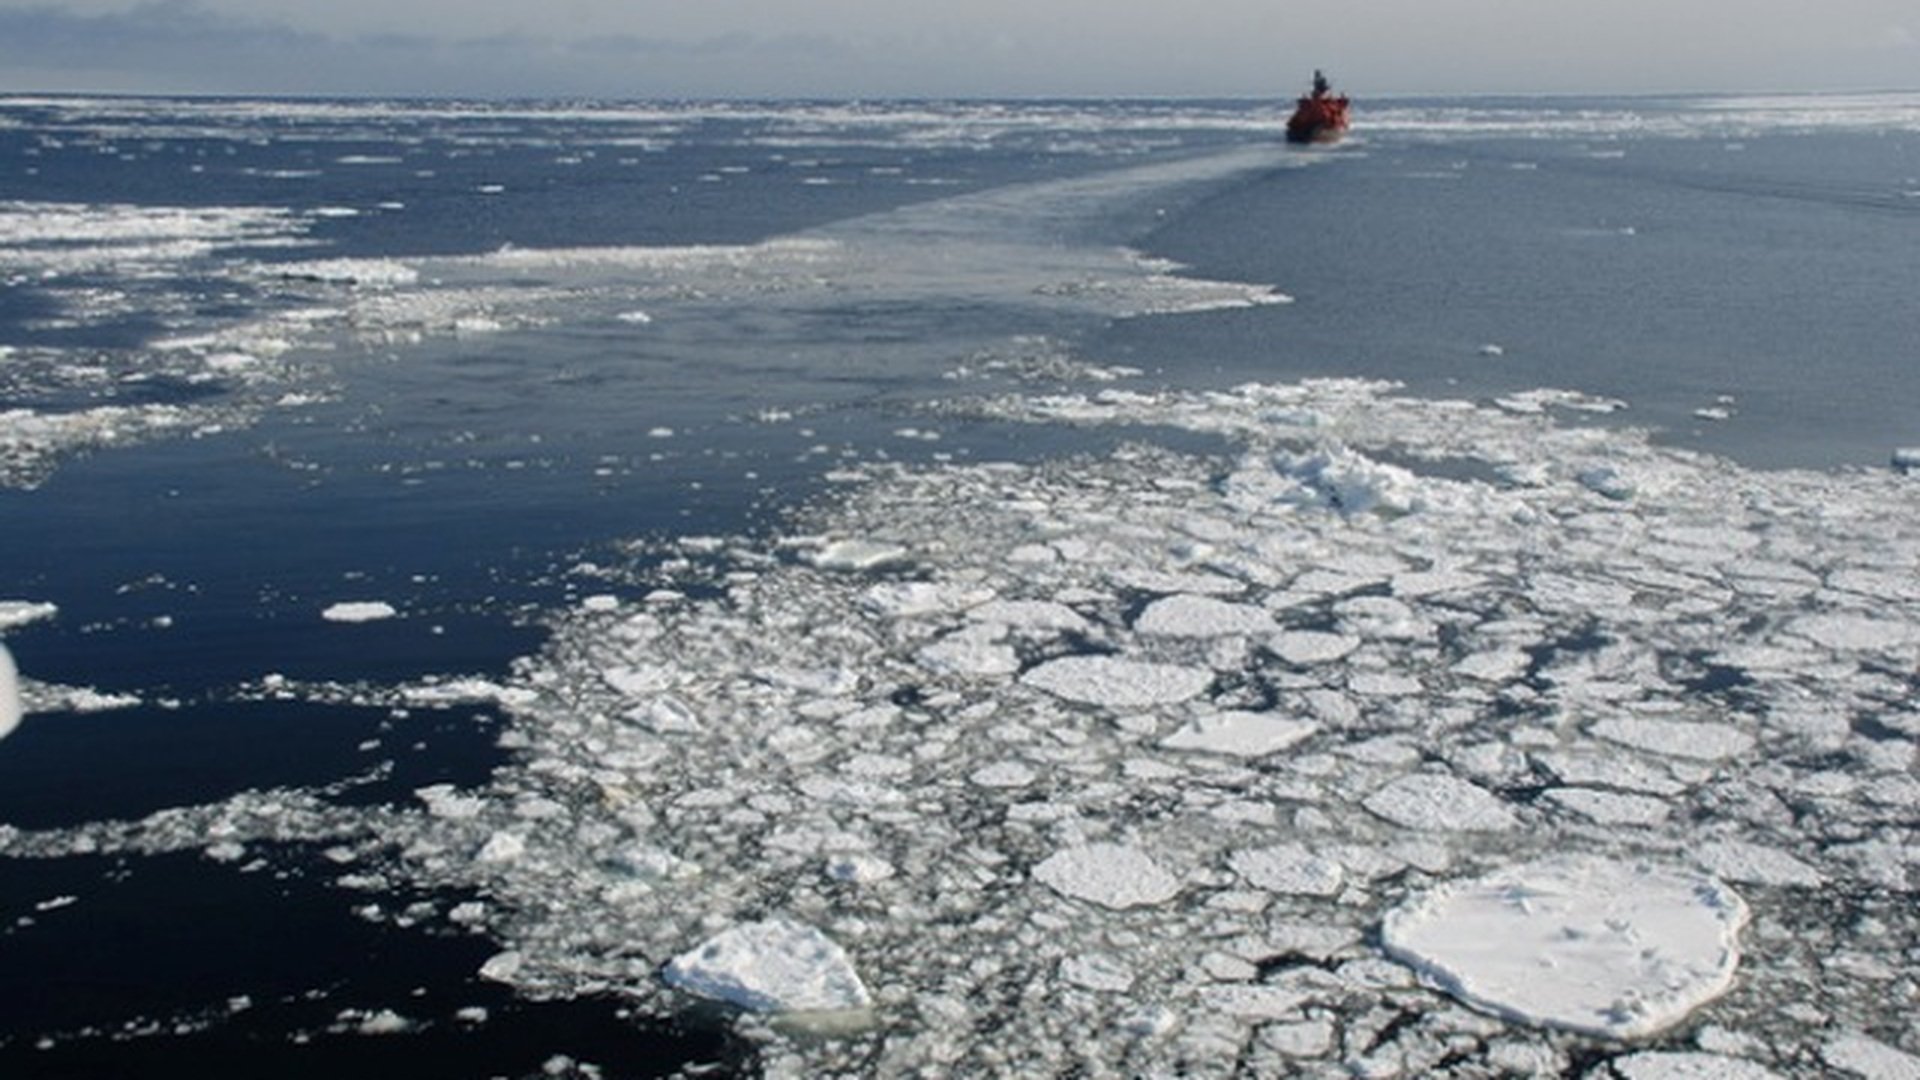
{"x":1320,"y":117}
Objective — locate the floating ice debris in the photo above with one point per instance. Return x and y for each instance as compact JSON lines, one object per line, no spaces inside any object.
{"x":1240,"y":734}
{"x":1589,"y":944}
{"x":1111,"y":875}
{"x":1907,"y":459}
{"x":1117,"y":682}
{"x":772,"y":966}
{"x":9,"y":694}
{"x":1491,"y":349}
{"x":18,"y":613}
{"x":358,"y":611}
{"x":1687,"y":1065}
{"x":1441,"y":802}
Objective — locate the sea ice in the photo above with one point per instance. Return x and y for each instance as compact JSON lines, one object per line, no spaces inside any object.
{"x":1117,"y":682}
{"x":1240,"y":734}
{"x":771,"y":966}
{"x":1862,"y":1055}
{"x":1442,"y":802}
{"x":1590,"y":944}
{"x":1186,"y":615}
{"x":9,"y":694}
{"x":1111,"y":875}
{"x":18,"y":613}
{"x":1289,"y":868}
{"x":358,"y":611}
{"x":1687,"y":1065}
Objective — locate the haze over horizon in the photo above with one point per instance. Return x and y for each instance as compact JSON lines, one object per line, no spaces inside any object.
{"x":983,"y":49}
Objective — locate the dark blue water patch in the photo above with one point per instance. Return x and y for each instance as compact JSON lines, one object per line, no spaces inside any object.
{"x":1668,"y":278}
{"x":176,"y":966}
{"x":62,"y":770}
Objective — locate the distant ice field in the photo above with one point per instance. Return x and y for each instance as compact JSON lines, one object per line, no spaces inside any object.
{"x":961,"y":588}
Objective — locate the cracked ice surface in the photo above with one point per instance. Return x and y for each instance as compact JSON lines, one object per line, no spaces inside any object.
{"x":1130,"y":845}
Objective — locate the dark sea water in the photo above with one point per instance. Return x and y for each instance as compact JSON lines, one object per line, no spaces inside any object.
{"x":482,"y":362}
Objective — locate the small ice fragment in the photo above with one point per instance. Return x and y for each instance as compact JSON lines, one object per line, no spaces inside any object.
{"x":1616,"y":949}
{"x":772,"y":966}
{"x":1097,"y":971}
{"x":1117,"y":682}
{"x":10,"y":711}
{"x":1491,"y":349}
{"x":1111,"y":875}
{"x":359,"y":611}
{"x":857,"y":869}
{"x":1434,"y":801}
{"x":1304,"y":647}
{"x":501,"y":847}
{"x":1907,"y":459}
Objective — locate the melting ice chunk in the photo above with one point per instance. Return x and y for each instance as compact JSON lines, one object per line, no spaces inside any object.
{"x":772,"y":966}
{"x":358,"y":611}
{"x":1588,"y":944}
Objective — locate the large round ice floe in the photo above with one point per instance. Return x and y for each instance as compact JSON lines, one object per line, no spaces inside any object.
{"x":1118,"y":682}
{"x":1589,"y":944}
{"x":773,"y":966}
{"x":1111,"y":875}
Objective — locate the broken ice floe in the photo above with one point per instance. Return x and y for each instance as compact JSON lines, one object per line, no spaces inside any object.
{"x":1017,"y":803}
{"x":1589,"y":944}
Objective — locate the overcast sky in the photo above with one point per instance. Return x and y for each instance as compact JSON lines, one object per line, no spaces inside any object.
{"x":968,"y":48}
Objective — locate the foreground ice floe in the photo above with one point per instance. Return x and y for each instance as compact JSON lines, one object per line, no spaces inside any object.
{"x":1127,"y":761}
{"x":1588,"y":944}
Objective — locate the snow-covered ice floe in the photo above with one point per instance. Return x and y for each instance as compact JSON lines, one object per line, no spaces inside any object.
{"x":1299,"y":758}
